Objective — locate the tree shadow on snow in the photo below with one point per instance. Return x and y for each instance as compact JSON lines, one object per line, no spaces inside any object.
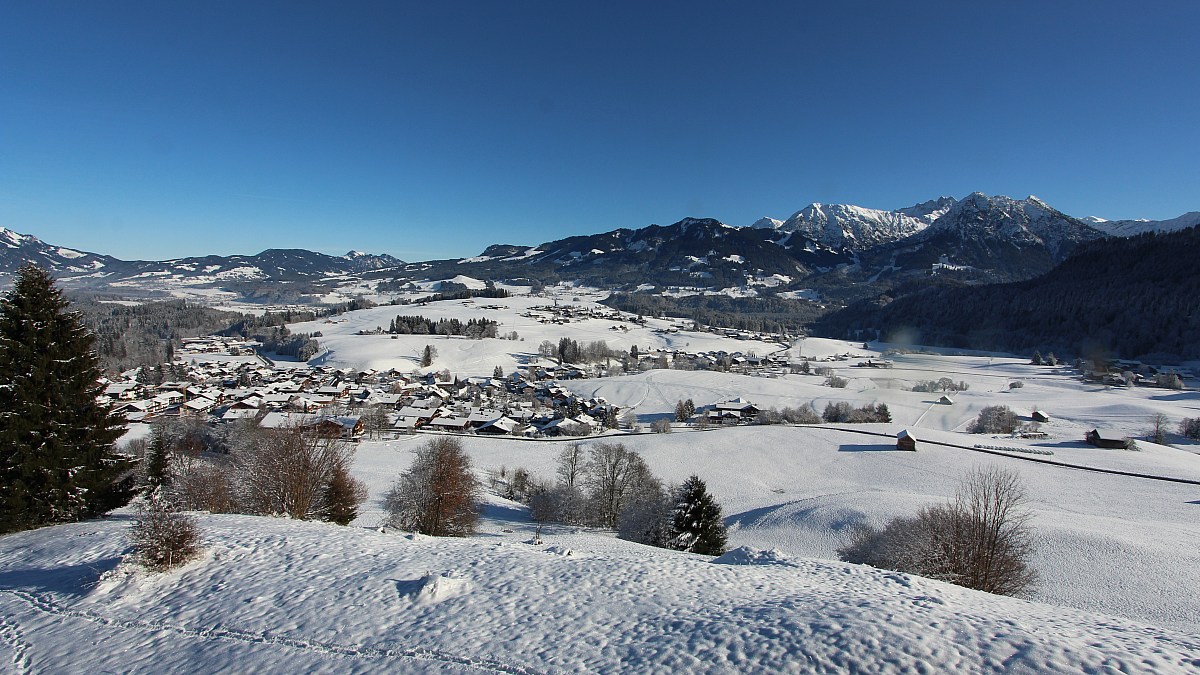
{"x":77,"y":580}
{"x":1181,"y":396}
{"x":873,"y":447}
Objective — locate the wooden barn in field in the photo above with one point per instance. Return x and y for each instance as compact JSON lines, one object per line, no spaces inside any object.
{"x":1103,"y":438}
{"x":906,"y":441}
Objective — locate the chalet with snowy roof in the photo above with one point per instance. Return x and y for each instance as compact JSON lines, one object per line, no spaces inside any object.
{"x":945,"y":400}
{"x":501,"y":426}
{"x":1106,"y":438}
{"x":740,"y":407}
{"x":905,"y":440}
{"x":198,"y":406}
{"x":124,"y":391}
{"x":1040,"y":416}
{"x":450,"y":423}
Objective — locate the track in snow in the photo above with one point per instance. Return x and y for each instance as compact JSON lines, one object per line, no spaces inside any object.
{"x":10,"y":633}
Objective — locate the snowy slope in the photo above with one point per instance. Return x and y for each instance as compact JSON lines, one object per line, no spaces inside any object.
{"x":1129,"y":228}
{"x":280,"y":596}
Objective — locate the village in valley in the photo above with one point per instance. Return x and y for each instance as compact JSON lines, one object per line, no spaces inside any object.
{"x":368,"y":382}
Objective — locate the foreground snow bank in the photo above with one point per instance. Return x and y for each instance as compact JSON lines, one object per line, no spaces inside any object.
{"x":275,"y":595}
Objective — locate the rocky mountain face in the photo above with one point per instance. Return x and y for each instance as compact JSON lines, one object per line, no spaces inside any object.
{"x":843,"y":226}
{"x":989,"y":239}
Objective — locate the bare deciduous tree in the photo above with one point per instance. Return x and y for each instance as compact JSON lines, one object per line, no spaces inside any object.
{"x":438,"y":494}
{"x":287,"y":471}
{"x":612,"y":472}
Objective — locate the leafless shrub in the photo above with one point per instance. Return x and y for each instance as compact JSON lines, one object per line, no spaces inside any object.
{"x":287,"y":471}
{"x":981,"y":540}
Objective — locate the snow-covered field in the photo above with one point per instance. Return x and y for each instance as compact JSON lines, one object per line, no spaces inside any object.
{"x":1118,"y":556}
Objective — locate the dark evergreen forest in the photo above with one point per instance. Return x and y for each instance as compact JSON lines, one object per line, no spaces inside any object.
{"x":1129,"y":298}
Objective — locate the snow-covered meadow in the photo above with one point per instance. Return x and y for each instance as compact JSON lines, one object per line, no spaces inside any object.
{"x":1118,"y":556}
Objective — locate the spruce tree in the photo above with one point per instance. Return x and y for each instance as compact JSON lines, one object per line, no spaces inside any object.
{"x":57,"y":458}
{"x":696,"y":524}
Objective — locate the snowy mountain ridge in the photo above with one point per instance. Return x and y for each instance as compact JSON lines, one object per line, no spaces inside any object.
{"x":847,"y":226}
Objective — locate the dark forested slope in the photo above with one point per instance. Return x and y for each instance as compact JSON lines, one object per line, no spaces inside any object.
{"x":1133,"y":298}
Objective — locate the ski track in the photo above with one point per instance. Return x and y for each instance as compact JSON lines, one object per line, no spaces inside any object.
{"x":10,"y":633}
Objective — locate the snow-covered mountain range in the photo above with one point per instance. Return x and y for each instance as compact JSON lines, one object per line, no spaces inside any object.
{"x":272,"y":264}
{"x":843,"y":249}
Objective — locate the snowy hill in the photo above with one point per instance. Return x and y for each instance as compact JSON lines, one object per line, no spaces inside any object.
{"x":281,"y":596}
{"x":81,"y":268}
{"x":1129,"y":228}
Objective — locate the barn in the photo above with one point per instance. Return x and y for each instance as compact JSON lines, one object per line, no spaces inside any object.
{"x":906,"y":441}
{"x":1103,"y":438}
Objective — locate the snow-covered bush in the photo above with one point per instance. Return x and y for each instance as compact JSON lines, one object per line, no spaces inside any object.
{"x":163,"y":538}
{"x":994,"y":419}
{"x":661,"y":426}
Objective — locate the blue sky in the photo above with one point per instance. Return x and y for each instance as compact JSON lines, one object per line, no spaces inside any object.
{"x":428,"y":130}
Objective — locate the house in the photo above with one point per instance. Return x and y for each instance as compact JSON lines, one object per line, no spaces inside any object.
{"x":499,"y":426}
{"x":1104,"y":438}
{"x":945,"y":400}
{"x":1039,"y":416}
{"x":738,"y":407}
{"x":906,"y":441}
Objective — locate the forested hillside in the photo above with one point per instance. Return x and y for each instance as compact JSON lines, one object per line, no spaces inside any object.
{"x":128,"y":335}
{"x":1132,"y":298}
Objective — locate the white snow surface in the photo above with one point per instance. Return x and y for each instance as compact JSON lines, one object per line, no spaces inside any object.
{"x":1129,"y":228}
{"x":272,"y":595}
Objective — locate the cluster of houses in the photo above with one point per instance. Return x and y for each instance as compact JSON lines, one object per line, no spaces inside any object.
{"x":349,"y":403}
{"x":1126,"y":373}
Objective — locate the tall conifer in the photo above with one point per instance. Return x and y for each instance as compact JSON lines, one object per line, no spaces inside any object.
{"x":696,"y":523}
{"x":57,"y":460}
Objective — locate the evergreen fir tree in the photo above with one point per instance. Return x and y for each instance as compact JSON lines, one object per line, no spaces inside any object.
{"x":57,"y":460}
{"x":696,"y":525}
{"x":157,"y":461}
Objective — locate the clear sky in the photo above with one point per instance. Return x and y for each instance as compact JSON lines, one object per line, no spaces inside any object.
{"x":431,"y":129}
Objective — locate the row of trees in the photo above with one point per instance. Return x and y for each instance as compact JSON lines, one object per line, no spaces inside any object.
{"x":289,"y":471}
{"x":419,"y":325}
{"x":843,"y":412}
{"x":940,"y":384}
{"x":570,"y":351}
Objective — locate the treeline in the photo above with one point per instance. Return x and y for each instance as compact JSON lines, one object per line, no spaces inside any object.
{"x":1135,"y":297}
{"x":763,"y":314}
{"x":419,"y":325}
{"x":610,"y":486}
{"x":463,"y":293}
{"x":128,"y":336}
